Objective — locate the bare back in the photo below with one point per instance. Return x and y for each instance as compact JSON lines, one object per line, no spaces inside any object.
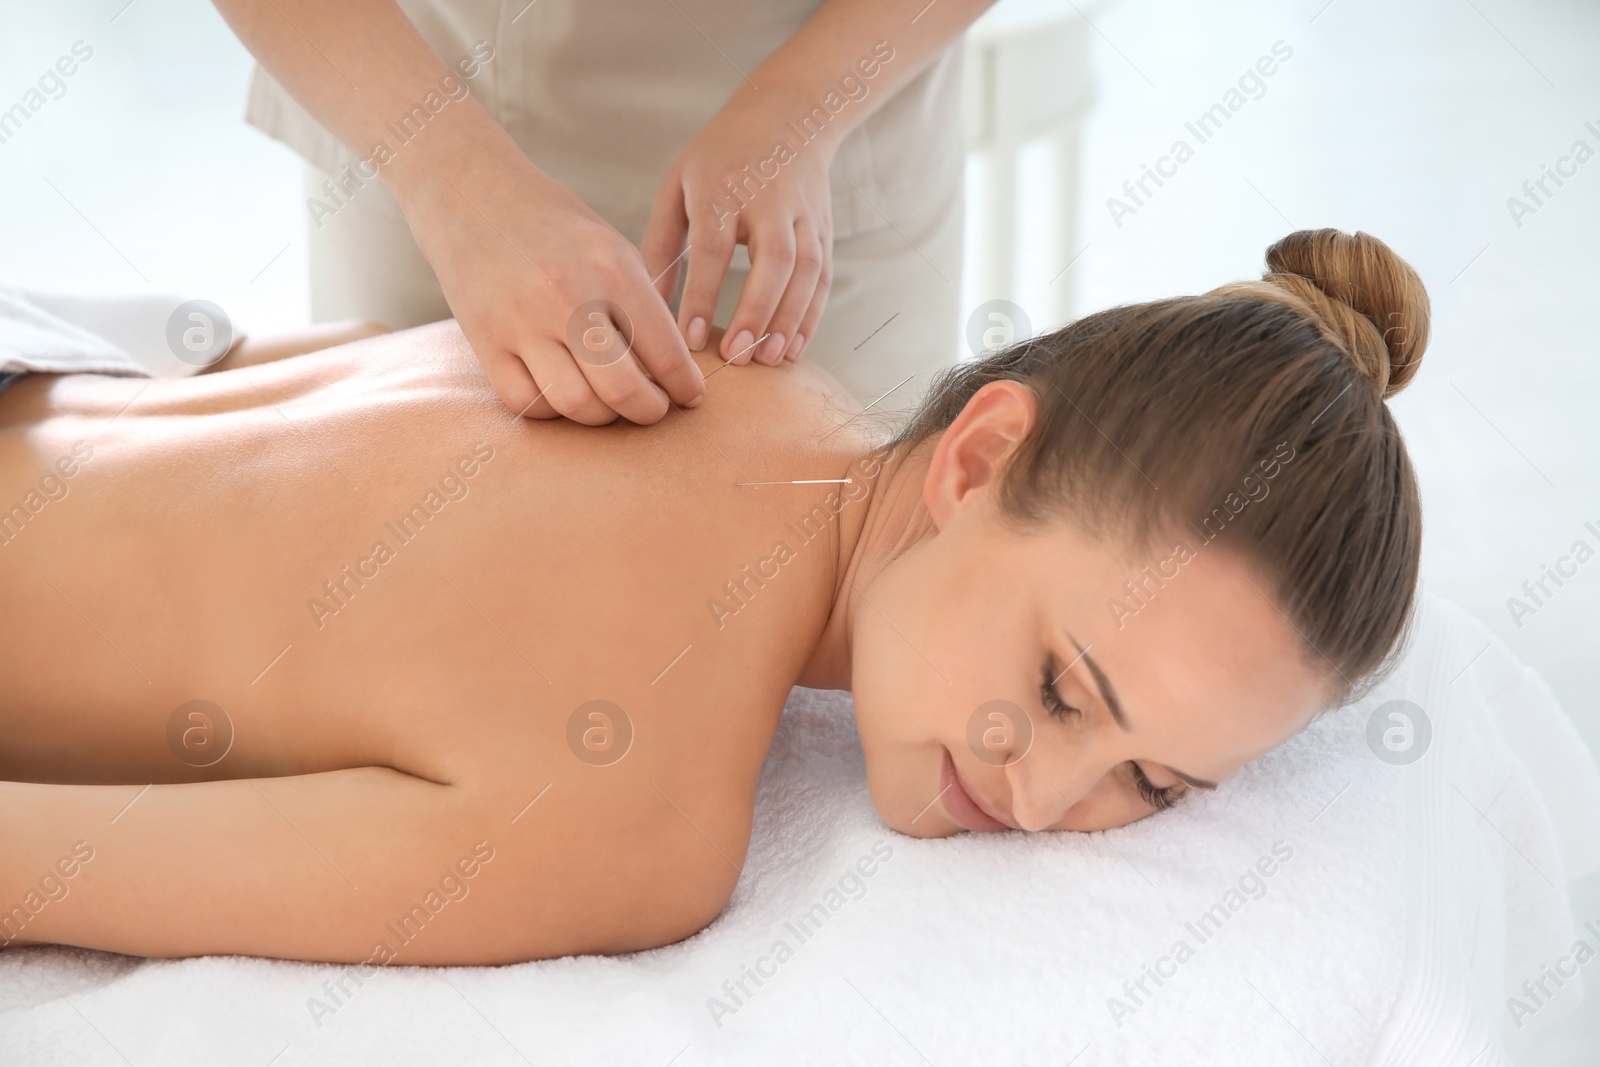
{"x":394,"y":591}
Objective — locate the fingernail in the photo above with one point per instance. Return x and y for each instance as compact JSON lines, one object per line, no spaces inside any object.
{"x":696,"y":402}
{"x":697,"y":333}
{"x":795,"y":346}
{"x":741,"y":342}
{"x":772,"y":350}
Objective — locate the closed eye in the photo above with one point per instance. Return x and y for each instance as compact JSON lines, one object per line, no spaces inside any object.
{"x":1158,"y":797}
{"x":1161,"y":798}
{"x":1053,"y":703}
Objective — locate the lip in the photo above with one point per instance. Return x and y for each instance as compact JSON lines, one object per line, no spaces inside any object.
{"x":961,"y":804}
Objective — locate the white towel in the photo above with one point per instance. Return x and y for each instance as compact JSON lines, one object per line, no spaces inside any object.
{"x":1405,"y":904}
{"x":54,"y":333}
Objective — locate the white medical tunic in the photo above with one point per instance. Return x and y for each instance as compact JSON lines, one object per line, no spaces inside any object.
{"x":603,"y":95}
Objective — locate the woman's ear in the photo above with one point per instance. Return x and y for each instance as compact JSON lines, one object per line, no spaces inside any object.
{"x":978,"y":445}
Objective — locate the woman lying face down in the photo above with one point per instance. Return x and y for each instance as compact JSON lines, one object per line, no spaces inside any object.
{"x":1145,"y":549}
{"x":303,"y":642}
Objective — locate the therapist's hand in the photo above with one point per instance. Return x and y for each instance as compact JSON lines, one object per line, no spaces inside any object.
{"x":786,"y":219}
{"x":519,"y":256}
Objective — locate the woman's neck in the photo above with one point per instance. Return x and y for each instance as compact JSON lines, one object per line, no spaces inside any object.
{"x":894,"y":519}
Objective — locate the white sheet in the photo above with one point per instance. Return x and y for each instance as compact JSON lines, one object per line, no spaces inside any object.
{"x":1416,"y":899}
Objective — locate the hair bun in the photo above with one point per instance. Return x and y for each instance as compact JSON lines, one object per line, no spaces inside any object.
{"x":1363,"y":296}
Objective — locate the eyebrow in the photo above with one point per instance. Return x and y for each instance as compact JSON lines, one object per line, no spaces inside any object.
{"x":1115,"y":707}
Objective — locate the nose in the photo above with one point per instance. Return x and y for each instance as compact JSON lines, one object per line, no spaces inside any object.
{"x":1039,"y":798}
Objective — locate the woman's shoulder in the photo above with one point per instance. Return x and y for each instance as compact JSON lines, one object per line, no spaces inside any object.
{"x":759,"y":423}
{"x":796,"y":405}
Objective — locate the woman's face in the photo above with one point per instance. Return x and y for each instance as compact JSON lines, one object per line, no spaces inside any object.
{"x":1006,"y":678}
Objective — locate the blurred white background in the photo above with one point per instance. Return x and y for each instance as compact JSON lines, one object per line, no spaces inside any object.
{"x":1415,"y":122}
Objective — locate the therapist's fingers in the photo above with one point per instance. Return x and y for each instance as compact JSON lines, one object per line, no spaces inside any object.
{"x":534,"y":374}
{"x":772,"y":262}
{"x":797,"y":298}
{"x":819,"y":299}
{"x":610,"y":367}
{"x":711,"y":243}
{"x":656,"y":343}
{"x":563,"y":386}
{"x":664,"y":235}
{"x":515,"y":385}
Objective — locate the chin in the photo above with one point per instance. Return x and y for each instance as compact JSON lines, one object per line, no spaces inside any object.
{"x":902,"y":755}
{"x":902,"y":800}
{"x":925,"y":827}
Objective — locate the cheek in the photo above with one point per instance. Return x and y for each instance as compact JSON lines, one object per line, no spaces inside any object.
{"x":937,"y":636}
{"x":900,"y":699}
{"x":1107,"y":807}
{"x":953,"y":625}
{"x":910,"y":655}
{"x":1100,"y":799}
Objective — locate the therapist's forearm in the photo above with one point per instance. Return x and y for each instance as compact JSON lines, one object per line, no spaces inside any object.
{"x":842,"y":32}
{"x":357,"y":65}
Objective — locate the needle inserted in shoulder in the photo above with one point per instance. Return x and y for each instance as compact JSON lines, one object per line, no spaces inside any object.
{"x":741,"y":352}
{"x":801,"y":481}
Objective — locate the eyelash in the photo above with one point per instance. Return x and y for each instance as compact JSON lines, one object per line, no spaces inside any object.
{"x":1158,"y":798}
{"x":1052,"y":700}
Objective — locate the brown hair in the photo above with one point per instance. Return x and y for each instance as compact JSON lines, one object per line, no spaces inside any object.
{"x":1168,"y":416}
